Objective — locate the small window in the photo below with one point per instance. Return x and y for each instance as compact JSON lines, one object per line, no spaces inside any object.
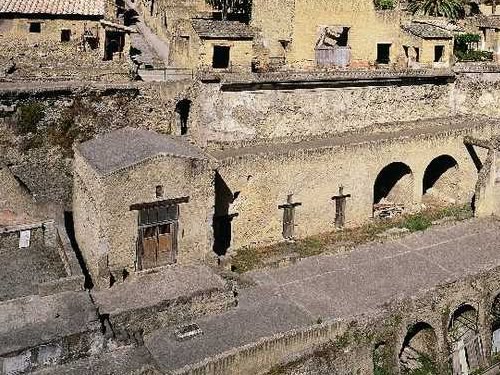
{"x":406,"y":51}
{"x":35,"y":27}
{"x":417,"y":54}
{"x":159,"y":191}
{"x":65,"y":35}
{"x":221,"y":57}
{"x":383,"y":53}
{"x":438,"y":53}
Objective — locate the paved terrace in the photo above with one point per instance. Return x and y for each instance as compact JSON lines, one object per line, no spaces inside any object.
{"x":373,"y":134}
{"x":337,"y":286}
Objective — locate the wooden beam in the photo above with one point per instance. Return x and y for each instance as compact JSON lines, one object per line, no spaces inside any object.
{"x":167,"y":202}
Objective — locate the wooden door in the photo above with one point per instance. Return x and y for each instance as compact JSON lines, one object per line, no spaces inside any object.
{"x":149,"y":247}
{"x":166,"y":243}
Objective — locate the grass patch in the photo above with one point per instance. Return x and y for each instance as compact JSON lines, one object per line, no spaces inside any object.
{"x":250,"y":258}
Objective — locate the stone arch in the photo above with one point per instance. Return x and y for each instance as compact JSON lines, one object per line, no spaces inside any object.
{"x":441,"y":179}
{"x":394,"y":184}
{"x":466,"y":350}
{"x":419,"y":353}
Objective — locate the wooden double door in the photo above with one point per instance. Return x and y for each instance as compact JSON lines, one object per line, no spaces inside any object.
{"x":157,"y":237}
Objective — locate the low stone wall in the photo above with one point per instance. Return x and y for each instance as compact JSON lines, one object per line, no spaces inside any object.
{"x":171,"y":312}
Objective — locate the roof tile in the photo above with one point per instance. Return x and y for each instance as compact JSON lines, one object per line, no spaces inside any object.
{"x":53,"y":7}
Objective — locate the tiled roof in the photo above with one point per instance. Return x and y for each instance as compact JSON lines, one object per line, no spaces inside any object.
{"x":426,"y":31}
{"x":129,"y":146}
{"x":489,"y":22}
{"x":214,"y":29}
{"x":53,"y":7}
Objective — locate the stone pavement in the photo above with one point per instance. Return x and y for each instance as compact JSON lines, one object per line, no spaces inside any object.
{"x":336,"y":286}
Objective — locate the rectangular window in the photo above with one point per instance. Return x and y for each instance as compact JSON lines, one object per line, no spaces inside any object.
{"x":438,"y":53}
{"x":383,"y":53}
{"x":35,"y":27}
{"x":417,"y":54}
{"x":65,"y":35}
{"x":221,"y":57}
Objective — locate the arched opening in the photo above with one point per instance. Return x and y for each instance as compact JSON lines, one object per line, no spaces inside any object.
{"x":182,"y":110}
{"x":495,"y":327}
{"x":466,"y":351}
{"x":418,"y":354}
{"x":393,"y":189}
{"x":441,"y":179}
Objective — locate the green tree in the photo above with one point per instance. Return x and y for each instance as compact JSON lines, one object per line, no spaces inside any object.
{"x":242,"y":8}
{"x":441,"y":8}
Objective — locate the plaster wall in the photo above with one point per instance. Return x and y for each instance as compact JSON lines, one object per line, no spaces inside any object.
{"x":313,"y":177}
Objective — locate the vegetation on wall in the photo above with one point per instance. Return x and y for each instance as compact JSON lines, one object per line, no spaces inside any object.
{"x":452,"y":9}
{"x":384,"y":4}
{"x":233,"y":9}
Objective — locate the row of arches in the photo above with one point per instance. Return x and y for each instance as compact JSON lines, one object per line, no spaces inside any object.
{"x":395,"y":183}
{"x":466,"y":353}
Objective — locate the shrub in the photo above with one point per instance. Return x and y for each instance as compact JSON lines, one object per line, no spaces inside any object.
{"x":28,"y":117}
{"x":474,"y":55}
{"x":384,"y":4}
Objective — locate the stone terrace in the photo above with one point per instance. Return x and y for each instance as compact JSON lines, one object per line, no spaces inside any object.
{"x":337,"y":286}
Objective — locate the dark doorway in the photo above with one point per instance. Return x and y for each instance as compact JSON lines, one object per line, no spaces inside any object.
{"x":222,"y":221}
{"x":438,"y":53}
{"x":114,"y":43}
{"x":221,"y":57}
{"x":65,"y":36}
{"x":182,"y":109}
{"x":383,"y":53}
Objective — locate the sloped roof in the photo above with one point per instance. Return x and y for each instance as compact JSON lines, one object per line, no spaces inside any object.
{"x":426,"y":31}
{"x":129,"y":146}
{"x":53,"y":7}
{"x":214,"y":29}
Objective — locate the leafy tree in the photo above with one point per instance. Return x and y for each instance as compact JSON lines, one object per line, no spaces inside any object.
{"x":441,"y":8}
{"x":232,"y":7}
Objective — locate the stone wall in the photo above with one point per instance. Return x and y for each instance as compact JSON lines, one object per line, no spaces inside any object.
{"x":224,"y":115}
{"x":262,"y":177}
{"x":302,"y":20}
{"x":43,"y":56}
{"x":39,"y":152}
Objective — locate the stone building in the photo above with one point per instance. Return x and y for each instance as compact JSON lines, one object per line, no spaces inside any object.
{"x":141,"y":200}
{"x":75,"y":33}
{"x":216,"y":45}
{"x":427,"y":45}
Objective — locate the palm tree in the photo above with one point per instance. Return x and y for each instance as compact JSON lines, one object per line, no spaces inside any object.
{"x":441,"y":8}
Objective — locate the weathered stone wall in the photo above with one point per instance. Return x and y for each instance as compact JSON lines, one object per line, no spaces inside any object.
{"x":43,"y":56}
{"x":39,"y":152}
{"x":304,"y":18}
{"x":179,"y":178}
{"x":263,"y":177}
{"x":260,"y":115}
{"x":107,"y":229}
